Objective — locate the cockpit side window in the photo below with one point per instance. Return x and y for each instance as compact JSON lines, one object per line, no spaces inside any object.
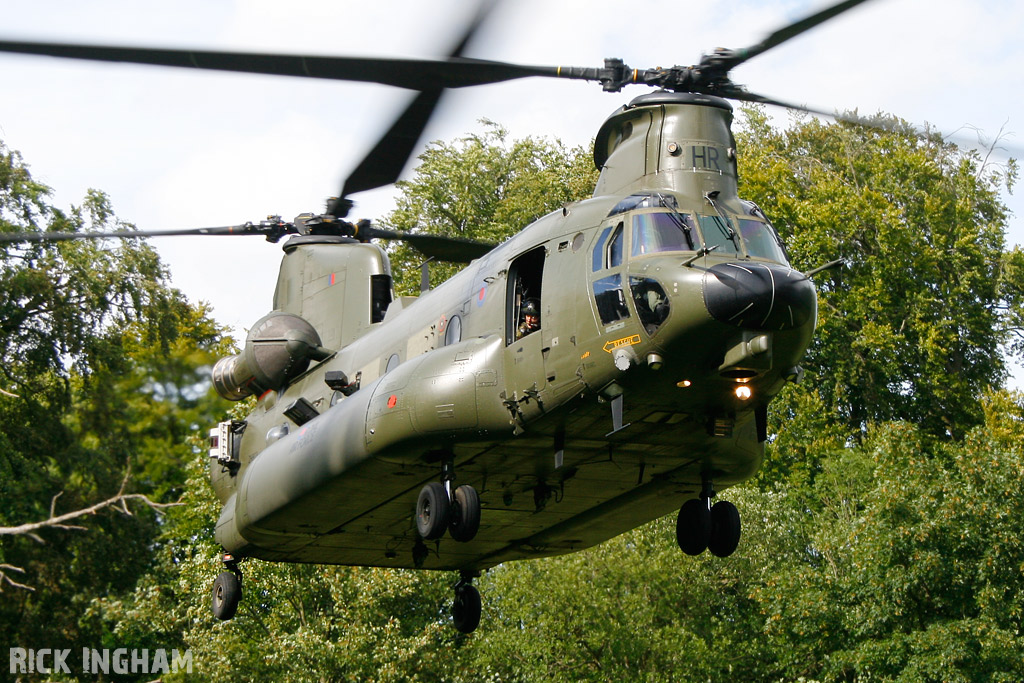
{"x":615,"y":247}
{"x":611,"y":303}
{"x":599,"y":250}
{"x":608,"y":291}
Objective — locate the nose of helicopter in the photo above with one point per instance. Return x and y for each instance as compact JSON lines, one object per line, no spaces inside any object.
{"x":759,"y":296}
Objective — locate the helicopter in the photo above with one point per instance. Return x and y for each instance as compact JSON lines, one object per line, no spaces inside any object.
{"x":448,"y":431}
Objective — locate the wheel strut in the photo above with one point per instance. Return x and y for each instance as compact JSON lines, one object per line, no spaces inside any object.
{"x":707,"y":489}
{"x":448,"y":475}
{"x":231,"y":564}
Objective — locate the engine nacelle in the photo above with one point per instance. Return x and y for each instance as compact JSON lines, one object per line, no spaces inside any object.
{"x":278,"y":349}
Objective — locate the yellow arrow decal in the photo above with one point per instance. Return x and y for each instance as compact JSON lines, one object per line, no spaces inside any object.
{"x":625,"y":341}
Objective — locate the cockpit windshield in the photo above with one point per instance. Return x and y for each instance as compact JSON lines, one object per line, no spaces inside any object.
{"x":654,"y":232}
{"x":760,"y":240}
{"x":719,"y":235}
{"x":725,"y":234}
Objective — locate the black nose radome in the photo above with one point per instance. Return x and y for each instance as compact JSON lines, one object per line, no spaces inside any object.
{"x":759,"y":296}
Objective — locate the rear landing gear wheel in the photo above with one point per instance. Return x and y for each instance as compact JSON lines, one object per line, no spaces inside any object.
{"x":467,"y":608}
{"x":433,"y":511}
{"x":465,"y":514}
{"x":693,"y":526}
{"x":227,"y":591}
{"x":725,"y":529}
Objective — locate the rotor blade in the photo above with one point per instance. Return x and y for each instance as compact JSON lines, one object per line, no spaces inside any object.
{"x":453,"y":249}
{"x":738,"y":93}
{"x":791,"y":31}
{"x":383,"y":164}
{"x":413,"y":74}
{"x":884,"y":123}
{"x":14,"y":237}
{"x":878,"y":122}
{"x":440,"y":247}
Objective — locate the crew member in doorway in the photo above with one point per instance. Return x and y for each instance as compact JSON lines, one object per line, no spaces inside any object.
{"x":530,"y":314}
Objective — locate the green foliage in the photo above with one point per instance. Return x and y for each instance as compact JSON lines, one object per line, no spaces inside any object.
{"x":102,"y":365}
{"x":912,"y":327}
{"x":483,"y":187}
{"x":914,"y":570}
{"x":296,"y":622}
{"x":881,"y":541}
{"x":635,"y":608}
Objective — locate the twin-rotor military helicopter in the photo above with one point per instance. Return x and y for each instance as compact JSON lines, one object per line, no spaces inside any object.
{"x":448,"y":431}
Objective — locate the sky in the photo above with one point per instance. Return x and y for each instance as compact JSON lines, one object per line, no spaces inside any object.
{"x":179,"y":148}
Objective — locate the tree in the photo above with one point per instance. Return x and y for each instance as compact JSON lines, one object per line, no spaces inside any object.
{"x":484,"y":187}
{"x":339,"y":622}
{"x":101,"y":363}
{"x":912,"y":327}
{"x":296,"y":622}
{"x":881,"y":542}
{"x":912,"y":569}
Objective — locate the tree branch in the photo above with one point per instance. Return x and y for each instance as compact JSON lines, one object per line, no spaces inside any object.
{"x":120,"y":500}
{"x":4,"y":578}
{"x":55,"y":521}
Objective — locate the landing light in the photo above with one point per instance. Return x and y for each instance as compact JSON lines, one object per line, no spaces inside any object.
{"x":743,"y":392}
{"x":684,"y":383}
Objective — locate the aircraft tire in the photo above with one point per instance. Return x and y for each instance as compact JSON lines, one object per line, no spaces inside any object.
{"x":433,"y":510}
{"x":465,"y":514}
{"x":466,"y":609}
{"x":725,"y":529}
{"x":693,"y":527}
{"x":227,"y":592}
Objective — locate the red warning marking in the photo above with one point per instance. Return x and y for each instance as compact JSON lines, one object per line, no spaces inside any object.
{"x":392,"y":401}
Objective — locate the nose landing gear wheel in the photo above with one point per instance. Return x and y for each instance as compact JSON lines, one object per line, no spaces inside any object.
{"x":467,"y":608}
{"x":693,"y":526}
{"x":227,"y":591}
{"x":465,"y":514}
{"x":433,"y":511}
{"x":725,"y":529}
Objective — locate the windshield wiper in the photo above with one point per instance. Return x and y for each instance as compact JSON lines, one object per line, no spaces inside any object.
{"x":723,"y":222}
{"x":677,"y":217}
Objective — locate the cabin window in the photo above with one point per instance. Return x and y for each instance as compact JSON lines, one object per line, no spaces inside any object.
{"x":761,"y":240}
{"x":380,"y":296}
{"x":453,"y":332}
{"x":655,"y":232}
{"x":644,"y":200}
{"x":525,"y":276}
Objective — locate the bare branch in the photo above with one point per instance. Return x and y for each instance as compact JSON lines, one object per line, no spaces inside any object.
{"x":4,"y":578}
{"x":119,"y":500}
{"x":53,"y":504}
